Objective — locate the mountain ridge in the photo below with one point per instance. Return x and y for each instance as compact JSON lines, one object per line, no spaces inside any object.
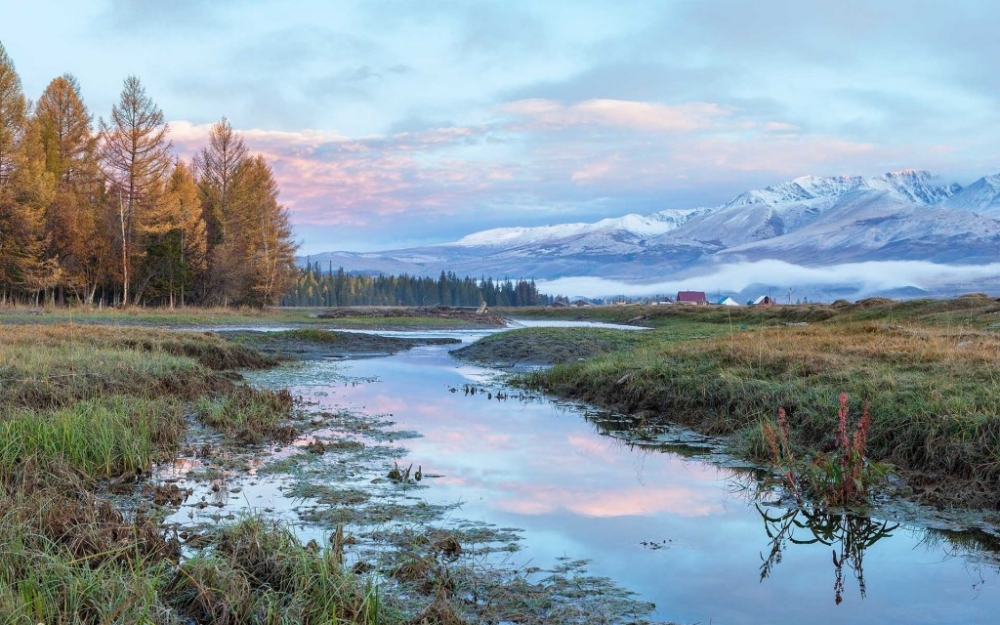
{"x":809,"y":221}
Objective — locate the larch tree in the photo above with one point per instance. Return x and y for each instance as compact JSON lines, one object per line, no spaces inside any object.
{"x":12,"y":114}
{"x":24,"y":187}
{"x":71,"y":156}
{"x":25,"y":194}
{"x":257,"y":255}
{"x":135,"y":155}
{"x":177,"y":257}
{"x":216,"y":167}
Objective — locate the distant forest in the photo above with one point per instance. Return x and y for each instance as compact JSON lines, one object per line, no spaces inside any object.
{"x":106,"y":213}
{"x":316,"y":287}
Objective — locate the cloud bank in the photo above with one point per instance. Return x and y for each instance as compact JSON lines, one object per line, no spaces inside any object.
{"x":866,"y":278}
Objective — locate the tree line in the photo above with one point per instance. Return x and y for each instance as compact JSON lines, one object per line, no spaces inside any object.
{"x":108,"y":214}
{"x":315,"y":287}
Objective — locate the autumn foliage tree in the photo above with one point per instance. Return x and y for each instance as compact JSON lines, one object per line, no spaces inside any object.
{"x":71,"y":218}
{"x":251,"y":255}
{"x":135,"y":155}
{"x":113,"y":216}
{"x":25,"y":187}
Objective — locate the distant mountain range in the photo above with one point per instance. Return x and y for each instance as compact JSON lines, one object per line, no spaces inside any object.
{"x":900,"y":218}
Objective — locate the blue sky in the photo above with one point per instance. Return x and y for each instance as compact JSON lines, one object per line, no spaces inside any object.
{"x":392,"y":123}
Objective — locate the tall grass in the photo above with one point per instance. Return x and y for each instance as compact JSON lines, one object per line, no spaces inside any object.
{"x":53,"y":366}
{"x":99,"y":437}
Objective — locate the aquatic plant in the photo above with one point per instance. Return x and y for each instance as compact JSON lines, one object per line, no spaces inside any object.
{"x":843,"y":477}
{"x":257,"y":571}
{"x":247,"y":414}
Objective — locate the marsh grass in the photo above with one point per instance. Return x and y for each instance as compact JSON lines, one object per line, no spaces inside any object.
{"x":676,"y":316}
{"x":547,"y":345}
{"x":69,"y":556}
{"x":248,"y":415}
{"x":87,"y":408}
{"x":137,"y":315}
{"x":53,"y":366}
{"x":257,"y":571}
{"x":103,"y":437}
{"x":934,"y":390}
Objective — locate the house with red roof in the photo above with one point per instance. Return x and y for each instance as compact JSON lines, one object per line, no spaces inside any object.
{"x":695,"y":298}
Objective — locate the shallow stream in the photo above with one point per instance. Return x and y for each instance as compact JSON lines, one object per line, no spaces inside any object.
{"x":661,"y":516}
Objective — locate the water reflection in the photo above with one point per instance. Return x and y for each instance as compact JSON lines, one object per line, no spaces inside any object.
{"x":849,"y":535}
{"x":674,"y":530}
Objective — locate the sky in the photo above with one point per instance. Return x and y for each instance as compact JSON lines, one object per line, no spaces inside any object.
{"x":396,"y":123}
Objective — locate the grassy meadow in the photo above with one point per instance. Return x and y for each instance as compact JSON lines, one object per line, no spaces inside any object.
{"x":96,"y":398}
{"x":90,"y":405}
{"x":927,"y":370}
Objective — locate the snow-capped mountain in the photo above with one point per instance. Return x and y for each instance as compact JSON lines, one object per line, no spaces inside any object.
{"x":809,"y":221}
{"x":632,"y":224}
{"x":982,"y":197}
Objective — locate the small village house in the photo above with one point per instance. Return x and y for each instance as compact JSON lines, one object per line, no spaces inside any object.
{"x":692,"y":298}
{"x":727,"y":301}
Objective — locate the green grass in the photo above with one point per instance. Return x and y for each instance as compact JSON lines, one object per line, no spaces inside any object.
{"x":52,"y":366}
{"x":188,"y":316}
{"x":351,"y":318}
{"x":87,"y":404}
{"x":103,"y":437}
{"x":666,"y":316}
{"x":931,"y":381}
{"x":247,"y":415}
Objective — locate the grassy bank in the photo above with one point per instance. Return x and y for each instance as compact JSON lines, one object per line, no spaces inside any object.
{"x":674,"y":316}
{"x":359,"y":317}
{"x":310,"y":343}
{"x":927,"y":369}
{"x":86,"y":406}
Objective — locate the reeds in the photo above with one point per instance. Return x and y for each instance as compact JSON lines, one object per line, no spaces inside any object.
{"x":85,"y":404}
{"x":99,"y":437}
{"x":248,"y":415}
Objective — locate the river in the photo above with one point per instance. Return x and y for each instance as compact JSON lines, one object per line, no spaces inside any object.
{"x":680,"y":531}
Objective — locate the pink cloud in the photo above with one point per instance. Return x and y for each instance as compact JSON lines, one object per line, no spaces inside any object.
{"x":618,"y":113}
{"x":538,"y":154}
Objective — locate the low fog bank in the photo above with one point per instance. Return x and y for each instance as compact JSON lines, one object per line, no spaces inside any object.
{"x":786,"y":282}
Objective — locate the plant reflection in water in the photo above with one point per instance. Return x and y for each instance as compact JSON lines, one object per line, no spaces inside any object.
{"x":849,"y":535}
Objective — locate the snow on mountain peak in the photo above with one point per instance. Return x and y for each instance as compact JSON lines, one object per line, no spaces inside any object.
{"x":982,"y":196}
{"x":910,"y":185}
{"x":913,"y":186}
{"x":632,"y":224}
